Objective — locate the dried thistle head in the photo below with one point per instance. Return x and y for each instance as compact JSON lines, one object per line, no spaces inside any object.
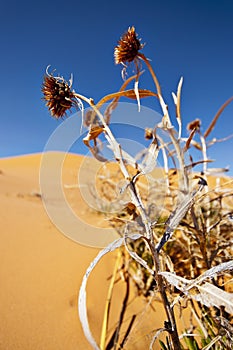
{"x":58,"y":95}
{"x":195,"y":124}
{"x":148,"y":134}
{"x":128,"y":47}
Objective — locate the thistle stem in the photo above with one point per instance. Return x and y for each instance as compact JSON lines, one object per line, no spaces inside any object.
{"x":168,"y":309}
{"x":147,"y":224}
{"x":143,"y":57}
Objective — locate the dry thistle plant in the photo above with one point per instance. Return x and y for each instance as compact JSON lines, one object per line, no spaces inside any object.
{"x":181,"y":256}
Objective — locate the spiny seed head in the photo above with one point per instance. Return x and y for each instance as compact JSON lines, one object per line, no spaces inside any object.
{"x":128,"y":46}
{"x":195,"y":124}
{"x":58,"y":95}
{"x":148,"y":133}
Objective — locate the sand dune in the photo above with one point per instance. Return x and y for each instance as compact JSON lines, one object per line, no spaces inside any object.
{"x":41,"y":269}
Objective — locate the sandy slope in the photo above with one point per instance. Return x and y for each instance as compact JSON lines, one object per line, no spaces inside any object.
{"x":41,"y":269}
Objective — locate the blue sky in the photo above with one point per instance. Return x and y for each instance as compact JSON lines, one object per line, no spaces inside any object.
{"x":192,"y":39}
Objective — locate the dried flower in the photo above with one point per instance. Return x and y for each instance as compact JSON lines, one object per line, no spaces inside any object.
{"x":128,"y":47}
{"x":195,"y":124}
{"x":57,"y":92}
{"x":148,"y":133}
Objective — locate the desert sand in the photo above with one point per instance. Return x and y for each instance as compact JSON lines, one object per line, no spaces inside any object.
{"x":41,"y":269}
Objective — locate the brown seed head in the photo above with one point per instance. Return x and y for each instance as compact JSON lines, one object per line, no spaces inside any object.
{"x":148,"y":133}
{"x":128,"y":47}
{"x":195,"y":124}
{"x":58,"y":95}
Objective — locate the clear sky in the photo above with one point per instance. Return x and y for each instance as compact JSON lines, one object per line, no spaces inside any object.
{"x":185,"y":38}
